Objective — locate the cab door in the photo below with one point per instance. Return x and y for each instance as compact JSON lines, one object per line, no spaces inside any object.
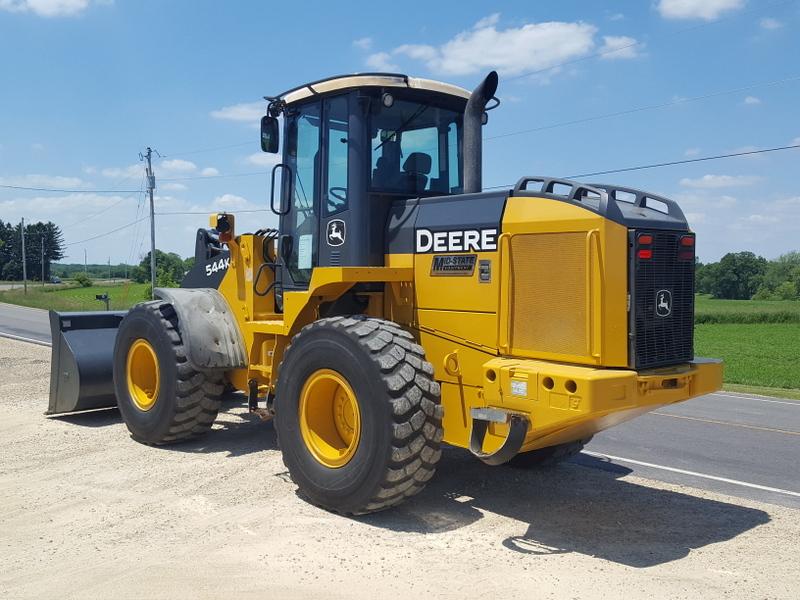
{"x":300,"y":225}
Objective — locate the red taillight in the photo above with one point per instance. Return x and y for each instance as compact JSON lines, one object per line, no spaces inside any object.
{"x":645,"y":254}
{"x":687,"y":240}
{"x":686,"y":248}
{"x":645,"y":239}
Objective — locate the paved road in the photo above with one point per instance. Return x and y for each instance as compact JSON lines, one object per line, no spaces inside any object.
{"x":24,"y":323}
{"x":745,"y":446}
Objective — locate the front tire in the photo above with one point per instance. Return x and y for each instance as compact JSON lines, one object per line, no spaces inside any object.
{"x":161,"y":396}
{"x":358,"y":414}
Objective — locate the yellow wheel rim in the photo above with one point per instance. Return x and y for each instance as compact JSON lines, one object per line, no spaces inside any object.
{"x":143,"y":374}
{"x":330,"y":420}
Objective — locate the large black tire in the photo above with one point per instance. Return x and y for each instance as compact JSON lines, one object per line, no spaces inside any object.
{"x":549,"y":456}
{"x":400,"y":412}
{"x":188,"y":400}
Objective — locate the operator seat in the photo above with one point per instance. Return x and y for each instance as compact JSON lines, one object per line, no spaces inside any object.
{"x":416,"y":170}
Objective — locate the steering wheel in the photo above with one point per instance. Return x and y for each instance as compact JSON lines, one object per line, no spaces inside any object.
{"x":338,"y":193}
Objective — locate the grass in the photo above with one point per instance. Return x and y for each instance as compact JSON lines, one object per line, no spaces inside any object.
{"x":70,"y":298}
{"x":763,"y":355}
{"x":713,"y":310}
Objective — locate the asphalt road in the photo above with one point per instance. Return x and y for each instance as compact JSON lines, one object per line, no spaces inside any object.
{"x":27,"y":324}
{"x":744,"y":446}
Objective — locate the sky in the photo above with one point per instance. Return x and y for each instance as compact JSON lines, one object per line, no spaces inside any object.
{"x":585,"y":86}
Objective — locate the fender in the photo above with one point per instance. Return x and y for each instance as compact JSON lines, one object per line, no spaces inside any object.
{"x":209,"y":330}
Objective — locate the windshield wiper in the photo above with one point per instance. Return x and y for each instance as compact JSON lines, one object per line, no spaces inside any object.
{"x":402,"y":128}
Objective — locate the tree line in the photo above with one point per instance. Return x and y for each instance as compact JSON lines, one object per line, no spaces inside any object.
{"x":35,"y":233}
{"x":745,"y":276}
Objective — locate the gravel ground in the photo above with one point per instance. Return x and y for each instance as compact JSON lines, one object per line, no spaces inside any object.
{"x":88,"y":513}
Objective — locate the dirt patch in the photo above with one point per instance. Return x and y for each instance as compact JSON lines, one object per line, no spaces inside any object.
{"x":89,"y":513}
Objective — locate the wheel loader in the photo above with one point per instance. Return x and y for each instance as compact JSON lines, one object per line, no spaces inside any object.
{"x":399,"y":306}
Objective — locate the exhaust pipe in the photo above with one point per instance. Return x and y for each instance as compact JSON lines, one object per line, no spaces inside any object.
{"x":473,"y":136}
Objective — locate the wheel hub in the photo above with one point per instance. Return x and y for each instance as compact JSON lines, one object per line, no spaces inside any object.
{"x":330,"y":419}
{"x":143,"y":375}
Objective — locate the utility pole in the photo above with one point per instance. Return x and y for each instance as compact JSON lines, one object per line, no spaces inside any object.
{"x":151,"y":186}
{"x":24,"y":265}
{"x":85,"y":264}
{"x":41,"y":235}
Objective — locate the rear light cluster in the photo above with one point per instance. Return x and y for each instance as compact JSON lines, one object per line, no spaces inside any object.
{"x":644,"y":247}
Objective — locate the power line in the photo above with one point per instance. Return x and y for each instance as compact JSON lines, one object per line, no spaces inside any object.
{"x":107,"y":232}
{"x":685,"y":161}
{"x":647,"y":107}
{"x":214,"y":149}
{"x":63,"y":191}
{"x":205,"y":212}
{"x":667,"y":164}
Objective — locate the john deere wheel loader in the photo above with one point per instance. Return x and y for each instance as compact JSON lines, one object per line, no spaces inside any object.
{"x":398,"y":306}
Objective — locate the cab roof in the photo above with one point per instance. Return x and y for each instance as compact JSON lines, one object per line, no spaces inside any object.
{"x":357,"y":80}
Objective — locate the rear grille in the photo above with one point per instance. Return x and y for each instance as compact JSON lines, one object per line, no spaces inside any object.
{"x":662,"y":303}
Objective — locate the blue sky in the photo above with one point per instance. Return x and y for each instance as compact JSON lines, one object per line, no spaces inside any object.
{"x":86,"y":85}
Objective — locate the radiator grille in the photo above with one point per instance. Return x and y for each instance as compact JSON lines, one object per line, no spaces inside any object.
{"x":548,"y":298}
{"x":661,"y":339}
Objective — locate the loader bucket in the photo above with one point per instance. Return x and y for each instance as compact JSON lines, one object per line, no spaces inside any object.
{"x":81,"y":369}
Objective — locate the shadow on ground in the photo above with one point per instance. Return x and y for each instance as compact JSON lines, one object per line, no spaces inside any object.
{"x":578,"y":507}
{"x":581,"y":508}
{"x":236,"y":432}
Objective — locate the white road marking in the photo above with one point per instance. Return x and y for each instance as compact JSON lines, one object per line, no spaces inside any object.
{"x":789,"y":402}
{"x":24,"y":339}
{"x":694,"y":474}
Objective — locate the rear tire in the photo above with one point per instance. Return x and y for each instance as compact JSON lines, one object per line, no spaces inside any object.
{"x":397,"y":406}
{"x":186,"y":401}
{"x":549,"y":456}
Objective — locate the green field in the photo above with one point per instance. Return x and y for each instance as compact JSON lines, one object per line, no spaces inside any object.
{"x":69,"y":298}
{"x":755,"y":355}
{"x":712,"y":310}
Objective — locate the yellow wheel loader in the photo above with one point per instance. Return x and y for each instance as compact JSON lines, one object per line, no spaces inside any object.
{"x":398,"y":306}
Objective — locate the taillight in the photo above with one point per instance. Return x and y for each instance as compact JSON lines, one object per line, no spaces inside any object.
{"x":686,"y":247}
{"x":644,"y":250}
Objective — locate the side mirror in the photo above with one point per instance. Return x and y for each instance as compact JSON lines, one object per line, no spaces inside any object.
{"x":269,"y":134}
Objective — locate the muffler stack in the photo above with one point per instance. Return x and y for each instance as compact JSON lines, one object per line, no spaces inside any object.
{"x":82,"y":365}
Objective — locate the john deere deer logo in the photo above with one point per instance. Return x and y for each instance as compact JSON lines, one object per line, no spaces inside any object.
{"x":335,"y":232}
{"x":663,"y":303}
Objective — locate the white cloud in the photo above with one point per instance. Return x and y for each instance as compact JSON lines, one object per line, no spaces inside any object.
{"x":752,"y":100}
{"x":43,"y":181}
{"x":616,"y":17}
{"x":177,"y":165}
{"x":761,"y":219}
{"x":263,"y":159}
{"x":719,"y":181}
{"x":695,"y":217}
{"x":511,"y":51}
{"x":617,"y":47}
{"x":795,"y":142}
{"x":229,"y":202}
{"x":381,"y":61}
{"x":247,"y":111}
{"x":130,"y":171}
{"x":173,"y":187}
{"x":364,"y":43}
{"x":692,"y":152}
{"x":707,"y":10}
{"x":209,"y":172}
{"x":770,"y":23}
{"x":47,"y":8}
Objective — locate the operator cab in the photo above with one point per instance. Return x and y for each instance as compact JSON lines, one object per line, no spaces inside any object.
{"x":351,"y":146}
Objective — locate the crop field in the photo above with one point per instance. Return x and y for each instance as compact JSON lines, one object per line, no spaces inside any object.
{"x":712,"y":310}
{"x":764,"y":354}
{"x":70,"y":298}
